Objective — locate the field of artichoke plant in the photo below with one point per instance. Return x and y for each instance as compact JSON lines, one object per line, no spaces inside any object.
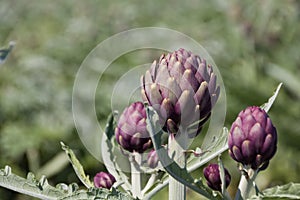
{"x":153,"y":100}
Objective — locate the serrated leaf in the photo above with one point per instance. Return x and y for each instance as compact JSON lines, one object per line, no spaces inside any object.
{"x":77,"y":166}
{"x":288,"y":191}
{"x":42,"y":190}
{"x":268,"y":105}
{"x":109,"y":158}
{"x":30,"y":186}
{"x":180,"y":174}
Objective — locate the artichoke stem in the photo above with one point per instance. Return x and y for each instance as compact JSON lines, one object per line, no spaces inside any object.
{"x":246,"y":184}
{"x":177,"y":191}
{"x":136,"y":177}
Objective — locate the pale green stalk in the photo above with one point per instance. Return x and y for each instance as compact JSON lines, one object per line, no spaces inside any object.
{"x":177,"y":191}
{"x":246,"y":184}
{"x":136,"y":176}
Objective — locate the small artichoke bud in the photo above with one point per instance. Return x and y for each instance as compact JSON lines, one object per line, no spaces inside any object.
{"x":212,"y":176}
{"x":104,"y":180}
{"x":252,"y":138}
{"x":182,"y":89}
{"x":131,"y":131}
{"x":152,"y":159}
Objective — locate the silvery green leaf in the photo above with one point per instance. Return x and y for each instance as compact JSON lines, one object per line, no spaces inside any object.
{"x":77,"y":166}
{"x":268,"y":105}
{"x":288,"y":191}
{"x":30,"y":186}
{"x":42,"y":190}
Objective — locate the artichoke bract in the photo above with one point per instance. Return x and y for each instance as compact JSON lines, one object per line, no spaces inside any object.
{"x":131,"y":131}
{"x":213,"y":178}
{"x":182,"y":89}
{"x":152,"y":159}
{"x":252,"y":138}
{"x":104,"y":180}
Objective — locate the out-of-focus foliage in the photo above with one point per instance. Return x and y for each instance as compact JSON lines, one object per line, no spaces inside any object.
{"x":254,"y":43}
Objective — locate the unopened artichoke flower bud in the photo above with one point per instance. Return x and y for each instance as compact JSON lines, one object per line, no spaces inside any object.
{"x":131,"y":131}
{"x":182,"y":89}
{"x":152,"y":159}
{"x":104,"y":180}
{"x":252,"y":139}
{"x":213,"y":178}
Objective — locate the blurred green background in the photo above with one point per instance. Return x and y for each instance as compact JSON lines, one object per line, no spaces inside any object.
{"x":255,"y":44}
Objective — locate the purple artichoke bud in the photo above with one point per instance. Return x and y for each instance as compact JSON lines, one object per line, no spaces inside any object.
{"x":152,"y":159}
{"x":131,"y":131}
{"x":104,"y":180}
{"x":253,"y":138}
{"x":212,"y":176}
{"x":182,"y":89}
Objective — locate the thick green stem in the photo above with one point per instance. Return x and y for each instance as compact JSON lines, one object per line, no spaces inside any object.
{"x":177,"y":191}
{"x":246,"y":184}
{"x":136,"y":178}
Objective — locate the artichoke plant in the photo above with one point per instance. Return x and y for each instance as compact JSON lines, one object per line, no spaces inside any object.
{"x":131,"y":131}
{"x":213,"y":178}
{"x":182,"y":88}
{"x":253,"y":138}
{"x":104,"y":180}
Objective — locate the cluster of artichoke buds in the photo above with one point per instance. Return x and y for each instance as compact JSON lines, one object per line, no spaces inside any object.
{"x":182,"y":89}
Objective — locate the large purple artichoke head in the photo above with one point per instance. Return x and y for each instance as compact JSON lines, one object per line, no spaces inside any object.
{"x":253,"y":138}
{"x":182,"y":89}
{"x":213,"y":178}
{"x":104,"y":180}
{"x":131,"y":131}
